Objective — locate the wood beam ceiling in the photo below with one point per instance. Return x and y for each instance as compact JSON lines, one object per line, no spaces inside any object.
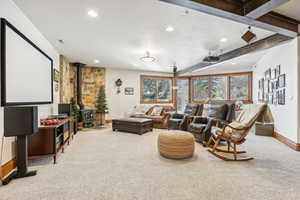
{"x":260,"y":45}
{"x":257,"y":8}
{"x":235,"y":10}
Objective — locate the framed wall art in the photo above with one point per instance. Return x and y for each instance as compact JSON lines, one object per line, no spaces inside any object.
{"x":268,"y":74}
{"x":272,"y":87}
{"x":56,"y":76}
{"x":129,"y":91}
{"x":281,"y":81}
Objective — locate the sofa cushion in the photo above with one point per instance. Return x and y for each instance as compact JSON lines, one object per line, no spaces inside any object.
{"x":200,"y":110}
{"x":155,"y":118}
{"x":217,"y":111}
{"x":156,"y":111}
{"x":205,"y":110}
{"x":231,"y":112}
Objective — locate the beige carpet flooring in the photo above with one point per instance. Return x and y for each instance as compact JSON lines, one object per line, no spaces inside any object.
{"x":103,"y":165}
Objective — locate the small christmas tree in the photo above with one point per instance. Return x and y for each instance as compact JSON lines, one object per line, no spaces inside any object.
{"x":101,"y":105}
{"x":75,"y":110}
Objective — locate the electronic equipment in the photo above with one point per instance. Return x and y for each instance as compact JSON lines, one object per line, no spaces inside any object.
{"x":59,"y":116}
{"x":65,"y":109}
{"x":20,"y":122}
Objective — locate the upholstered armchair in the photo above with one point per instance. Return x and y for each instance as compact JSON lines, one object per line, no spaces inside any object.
{"x":213,"y":113}
{"x":180,"y":121}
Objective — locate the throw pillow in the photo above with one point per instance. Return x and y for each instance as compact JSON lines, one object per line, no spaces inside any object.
{"x":156,"y":111}
{"x":205,"y":110}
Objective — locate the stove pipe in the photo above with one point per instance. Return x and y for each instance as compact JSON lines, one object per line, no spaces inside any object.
{"x":79,"y":84}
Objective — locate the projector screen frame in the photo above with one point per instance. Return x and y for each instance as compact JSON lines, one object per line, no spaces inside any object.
{"x":3,"y":25}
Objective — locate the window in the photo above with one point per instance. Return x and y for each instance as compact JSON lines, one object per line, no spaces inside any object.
{"x":239,"y":87}
{"x":156,"y":89}
{"x":200,"y":88}
{"x":226,"y":87}
{"x":182,"y":93}
{"x":219,"y":88}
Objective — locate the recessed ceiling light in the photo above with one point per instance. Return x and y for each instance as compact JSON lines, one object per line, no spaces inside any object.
{"x":170,"y":29}
{"x":92,"y":13}
{"x":223,"y":39}
{"x":96,"y":61}
{"x":233,"y":63}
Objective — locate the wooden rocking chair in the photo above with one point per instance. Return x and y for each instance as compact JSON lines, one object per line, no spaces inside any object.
{"x":235,"y":132}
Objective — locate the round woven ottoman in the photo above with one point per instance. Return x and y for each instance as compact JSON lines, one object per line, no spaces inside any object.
{"x":176,"y":144}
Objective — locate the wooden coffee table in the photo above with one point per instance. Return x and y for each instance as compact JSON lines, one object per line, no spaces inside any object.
{"x":132,"y":125}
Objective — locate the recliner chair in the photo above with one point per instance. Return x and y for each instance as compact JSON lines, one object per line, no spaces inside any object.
{"x":180,"y":121}
{"x":200,"y":127}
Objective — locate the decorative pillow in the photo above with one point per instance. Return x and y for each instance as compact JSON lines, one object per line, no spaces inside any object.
{"x":191,"y":109}
{"x":205,"y":110}
{"x":217,"y":111}
{"x":237,"y":134}
{"x":156,"y":111}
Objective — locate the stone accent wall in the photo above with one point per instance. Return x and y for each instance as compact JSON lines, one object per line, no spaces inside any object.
{"x":65,"y":83}
{"x":92,"y":79}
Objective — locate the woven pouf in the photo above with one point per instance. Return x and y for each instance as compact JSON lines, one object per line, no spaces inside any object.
{"x":176,"y":144}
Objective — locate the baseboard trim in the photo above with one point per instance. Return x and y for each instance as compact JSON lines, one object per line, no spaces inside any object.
{"x":108,"y":121}
{"x":286,"y":141}
{"x":8,"y":167}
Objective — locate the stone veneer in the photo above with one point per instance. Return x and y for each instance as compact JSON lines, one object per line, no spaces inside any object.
{"x":67,"y":74}
{"x":92,"y":79}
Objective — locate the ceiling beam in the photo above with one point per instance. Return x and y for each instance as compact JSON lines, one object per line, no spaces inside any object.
{"x":233,"y":11}
{"x":260,"y":45}
{"x":257,"y":8}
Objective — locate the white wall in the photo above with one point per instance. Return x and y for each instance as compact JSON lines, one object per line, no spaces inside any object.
{"x":120,"y":104}
{"x":14,"y":15}
{"x":286,"y":117}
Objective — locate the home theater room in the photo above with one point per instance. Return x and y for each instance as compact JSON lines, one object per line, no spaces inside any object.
{"x":150,"y":99}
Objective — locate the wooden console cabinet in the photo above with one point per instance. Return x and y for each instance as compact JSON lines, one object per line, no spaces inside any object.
{"x":51,"y":139}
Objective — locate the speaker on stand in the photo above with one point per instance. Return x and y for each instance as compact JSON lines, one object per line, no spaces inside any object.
{"x":20,"y":122}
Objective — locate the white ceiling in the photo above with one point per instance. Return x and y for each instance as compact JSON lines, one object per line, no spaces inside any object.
{"x":124,"y":30}
{"x":290,"y":9}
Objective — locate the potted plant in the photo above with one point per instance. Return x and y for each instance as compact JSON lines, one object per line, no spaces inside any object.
{"x":75,"y":112}
{"x":101,"y":107}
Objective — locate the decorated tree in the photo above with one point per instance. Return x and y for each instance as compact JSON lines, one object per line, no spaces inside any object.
{"x":101,"y":105}
{"x":75,"y":110}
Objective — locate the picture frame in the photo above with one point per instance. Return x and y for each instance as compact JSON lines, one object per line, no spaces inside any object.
{"x":56,"y":76}
{"x":129,"y":91}
{"x":281,"y":97}
{"x":271,"y":86}
{"x":277,"y":71}
{"x":273,"y":74}
{"x":268,"y":74}
{"x":270,"y":98}
{"x":266,"y":86}
{"x":275,"y":98}
{"x":281,"y":81}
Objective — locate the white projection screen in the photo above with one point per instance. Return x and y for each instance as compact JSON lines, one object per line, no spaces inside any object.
{"x":26,"y":71}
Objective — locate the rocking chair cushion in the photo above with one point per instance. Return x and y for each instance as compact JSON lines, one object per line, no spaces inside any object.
{"x":236,"y":137}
